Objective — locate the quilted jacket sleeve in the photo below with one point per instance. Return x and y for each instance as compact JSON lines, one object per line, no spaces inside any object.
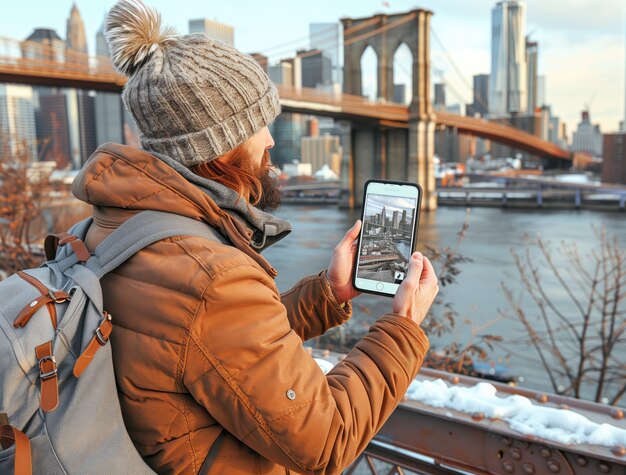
{"x":312,"y":308}
{"x":247,"y":367}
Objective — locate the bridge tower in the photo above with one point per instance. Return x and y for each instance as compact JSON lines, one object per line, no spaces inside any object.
{"x":384,"y":150}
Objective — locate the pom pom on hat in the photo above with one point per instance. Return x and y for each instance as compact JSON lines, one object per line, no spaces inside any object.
{"x":133,"y":31}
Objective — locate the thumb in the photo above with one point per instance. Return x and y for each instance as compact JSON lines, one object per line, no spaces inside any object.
{"x":414,"y":271}
{"x":352,"y":233}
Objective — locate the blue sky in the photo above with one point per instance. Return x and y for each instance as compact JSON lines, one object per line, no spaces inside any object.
{"x":581,"y":42}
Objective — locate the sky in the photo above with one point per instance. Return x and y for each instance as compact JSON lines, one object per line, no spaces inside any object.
{"x":375,"y":204}
{"x":581,"y":42}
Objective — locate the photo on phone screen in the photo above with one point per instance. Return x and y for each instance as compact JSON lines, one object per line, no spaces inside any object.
{"x":390,"y":213}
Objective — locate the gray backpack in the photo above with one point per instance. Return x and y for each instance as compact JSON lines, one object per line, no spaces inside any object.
{"x":59,"y":410}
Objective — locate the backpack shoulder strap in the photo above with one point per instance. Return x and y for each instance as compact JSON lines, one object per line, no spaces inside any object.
{"x":143,"y":229}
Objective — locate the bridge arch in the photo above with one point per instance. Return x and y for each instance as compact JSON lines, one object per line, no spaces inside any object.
{"x":402,"y":66}
{"x":368,"y":66}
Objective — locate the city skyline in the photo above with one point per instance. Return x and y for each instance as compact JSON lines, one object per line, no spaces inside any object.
{"x":581,"y":48}
{"x":375,"y":203}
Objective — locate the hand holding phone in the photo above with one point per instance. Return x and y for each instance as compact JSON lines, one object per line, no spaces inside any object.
{"x":418,"y":291}
{"x":388,"y":234}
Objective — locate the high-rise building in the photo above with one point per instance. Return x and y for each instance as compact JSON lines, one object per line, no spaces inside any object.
{"x":403,"y":223}
{"x":17,"y":119}
{"x":76,"y":39}
{"x":262,"y":60}
{"x":399,"y":94}
{"x":395,"y":219}
{"x":109,"y":109}
{"x":532,"y":78}
{"x":557,"y":132}
{"x":480,"y":104}
{"x":587,"y":137}
{"x":541,"y":91}
{"x":508,"y":81}
{"x":614,"y":158}
{"x":450,"y":146}
{"x":535,"y":123}
{"x":383,"y":217}
{"x":281,"y":73}
{"x":316,"y":68}
{"x":52,"y":127}
{"x":213,"y":29}
{"x":325,"y":37}
{"x":287,"y":131}
{"x":322,"y":150}
{"x":43,"y":43}
{"x":440,"y":97}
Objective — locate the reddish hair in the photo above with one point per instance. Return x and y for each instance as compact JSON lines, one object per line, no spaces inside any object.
{"x":233,"y":171}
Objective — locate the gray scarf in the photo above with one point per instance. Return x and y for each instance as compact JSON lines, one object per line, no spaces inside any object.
{"x":268,"y":229}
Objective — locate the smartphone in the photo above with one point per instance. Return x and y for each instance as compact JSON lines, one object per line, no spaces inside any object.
{"x":388,"y":233}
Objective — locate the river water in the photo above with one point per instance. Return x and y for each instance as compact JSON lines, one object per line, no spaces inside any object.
{"x":477,"y":295}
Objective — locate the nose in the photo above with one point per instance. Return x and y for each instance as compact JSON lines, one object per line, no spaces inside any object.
{"x":269,"y":141}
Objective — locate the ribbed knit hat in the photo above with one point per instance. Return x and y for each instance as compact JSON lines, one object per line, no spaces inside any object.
{"x":193,"y":98}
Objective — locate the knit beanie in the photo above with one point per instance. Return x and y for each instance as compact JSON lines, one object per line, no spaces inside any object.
{"x":193,"y":98}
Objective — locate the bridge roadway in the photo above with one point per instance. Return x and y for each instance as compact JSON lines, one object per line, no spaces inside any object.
{"x":96,"y":73}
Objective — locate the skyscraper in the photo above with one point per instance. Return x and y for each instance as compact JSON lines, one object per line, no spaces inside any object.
{"x":281,"y":73}
{"x":17,"y":118}
{"x":480,"y":104}
{"x":287,"y":131}
{"x":587,"y":137}
{"x":76,"y":40}
{"x":109,"y":109}
{"x":322,"y":150}
{"x":508,"y":81}
{"x":52,"y":127}
{"x":395,"y":219}
{"x":316,"y":68}
{"x":213,"y":29}
{"x":43,"y":43}
{"x":440,"y":97}
{"x":325,"y":37}
{"x":532,"y":81}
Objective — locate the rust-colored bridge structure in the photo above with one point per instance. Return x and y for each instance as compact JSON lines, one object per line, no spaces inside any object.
{"x":379,"y":138}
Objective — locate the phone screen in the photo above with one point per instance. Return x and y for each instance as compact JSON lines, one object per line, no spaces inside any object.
{"x":387,"y":239}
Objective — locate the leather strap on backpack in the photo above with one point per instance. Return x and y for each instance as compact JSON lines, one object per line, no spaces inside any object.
{"x":48,"y":376}
{"x":53,"y":241}
{"x":9,"y":435}
{"x":210,"y":458}
{"x":100,"y":338}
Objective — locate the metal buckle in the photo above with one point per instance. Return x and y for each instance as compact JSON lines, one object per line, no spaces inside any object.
{"x":49,"y":374}
{"x":55,"y":299}
{"x":4,"y":419}
{"x":100,"y":338}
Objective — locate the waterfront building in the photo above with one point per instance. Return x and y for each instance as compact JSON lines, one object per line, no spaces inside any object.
{"x":17,"y":119}
{"x":587,"y":136}
{"x":614,"y":158}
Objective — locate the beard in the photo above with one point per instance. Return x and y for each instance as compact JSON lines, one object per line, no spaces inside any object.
{"x":270,"y":191}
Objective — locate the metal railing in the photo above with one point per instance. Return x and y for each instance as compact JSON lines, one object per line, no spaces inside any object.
{"x":422,"y":439}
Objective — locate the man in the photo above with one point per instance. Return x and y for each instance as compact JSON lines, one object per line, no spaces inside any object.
{"x":205,"y":348}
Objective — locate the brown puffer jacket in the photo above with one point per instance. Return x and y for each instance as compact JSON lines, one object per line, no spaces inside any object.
{"x":203,"y":342}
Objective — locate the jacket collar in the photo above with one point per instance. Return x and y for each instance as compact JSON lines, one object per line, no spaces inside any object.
{"x":122,"y":180}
